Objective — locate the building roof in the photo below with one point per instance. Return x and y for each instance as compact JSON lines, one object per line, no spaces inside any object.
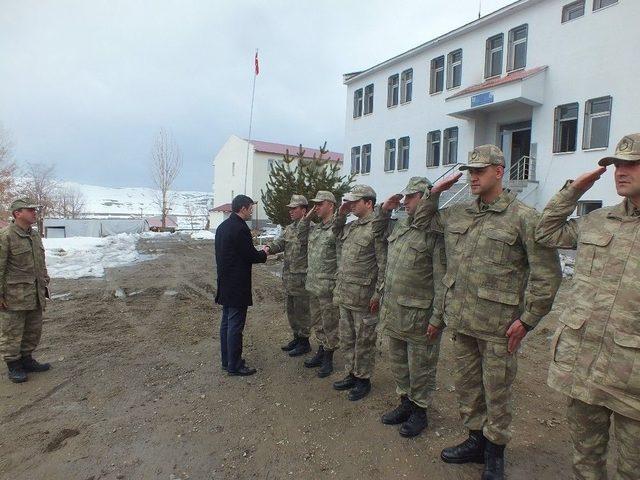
{"x":491,"y":17}
{"x":225,"y":207}
{"x":171,"y":221}
{"x":497,"y":81}
{"x":281,"y":149}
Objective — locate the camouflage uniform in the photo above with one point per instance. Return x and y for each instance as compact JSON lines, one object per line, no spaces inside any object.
{"x":293,"y":242}
{"x":23,"y":288}
{"x":496,"y":274}
{"x":321,"y":279}
{"x":596,"y":348}
{"x":362,"y":256}
{"x":416,"y":263}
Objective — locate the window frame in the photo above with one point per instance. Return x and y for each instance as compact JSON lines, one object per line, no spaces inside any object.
{"x":368,"y":100}
{"x":588,"y":119}
{"x":434,"y":160}
{"x":406,"y":84}
{"x":390,"y":149}
{"x":390,"y":90}
{"x":597,"y":4}
{"x":447,"y":140}
{"x":358,"y":102}
{"x":365,"y":159}
{"x":435,"y":72}
{"x":580,"y":207}
{"x":488,"y":61}
{"x":355,"y":154}
{"x":511,"y":53}
{"x":451,"y":65}
{"x":401,"y":166}
{"x":567,"y":8}
{"x":557,"y":127}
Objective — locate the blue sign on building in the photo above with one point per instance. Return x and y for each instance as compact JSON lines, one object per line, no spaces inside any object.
{"x":481,"y":99}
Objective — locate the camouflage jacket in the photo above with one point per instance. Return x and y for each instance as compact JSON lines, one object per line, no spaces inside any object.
{"x":23,"y":271}
{"x":416,"y":264}
{"x":496,"y":272}
{"x":293,"y":242}
{"x":322,"y":260}
{"x":596,"y":348}
{"x":362,"y":248}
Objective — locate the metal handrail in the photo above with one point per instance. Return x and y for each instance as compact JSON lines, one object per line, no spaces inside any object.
{"x":521,"y":170}
{"x":464,"y":189}
{"x":451,"y":169}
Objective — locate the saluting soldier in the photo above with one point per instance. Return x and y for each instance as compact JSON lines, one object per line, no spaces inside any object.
{"x":293,"y":242}
{"x":23,"y":289}
{"x":596,"y":348}
{"x":416,"y":263}
{"x":499,"y":284}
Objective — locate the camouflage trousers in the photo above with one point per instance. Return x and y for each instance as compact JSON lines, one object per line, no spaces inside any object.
{"x":414,"y":367}
{"x":484,"y":374}
{"x":589,"y":426}
{"x":20,"y":332}
{"x":298,"y":315}
{"x":325,"y":318}
{"x":358,"y":341}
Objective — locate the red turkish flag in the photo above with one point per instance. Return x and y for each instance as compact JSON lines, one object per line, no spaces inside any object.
{"x":257,"y":64}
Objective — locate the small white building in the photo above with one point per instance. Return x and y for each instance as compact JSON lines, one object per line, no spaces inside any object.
{"x":257,"y":157}
{"x":551,"y":82}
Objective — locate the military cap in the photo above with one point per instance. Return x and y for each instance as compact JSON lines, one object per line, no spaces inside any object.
{"x":416,"y":185}
{"x":627,"y":150}
{"x":24,"y":203}
{"x":324,"y":195}
{"x":483,"y":156}
{"x":360,"y":191}
{"x":298,"y":201}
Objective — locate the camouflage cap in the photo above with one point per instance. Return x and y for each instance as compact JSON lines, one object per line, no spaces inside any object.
{"x":358,"y":192}
{"x":23,"y":203}
{"x":324,"y":195}
{"x":627,"y":150}
{"x":483,"y":156}
{"x":298,"y":201}
{"x":416,"y":185}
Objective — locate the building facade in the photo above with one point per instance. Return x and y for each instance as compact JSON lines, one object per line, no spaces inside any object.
{"x":238,"y":155}
{"x":551,"y":82}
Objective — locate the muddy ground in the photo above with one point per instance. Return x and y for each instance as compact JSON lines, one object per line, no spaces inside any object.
{"x":137,"y":392}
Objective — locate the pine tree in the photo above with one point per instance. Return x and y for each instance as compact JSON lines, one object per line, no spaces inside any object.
{"x":306,"y":178}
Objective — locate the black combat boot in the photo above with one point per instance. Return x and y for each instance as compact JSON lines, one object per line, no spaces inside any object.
{"x":416,"y":423}
{"x":399,"y":414}
{"x":316,"y":360}
{"x":360,"y":390}
{"x":493,"y":462}
{"x":327,"y":364}
{"x":301,"y":348}
{"x":31,"y":365}
{"x":16,"y":371}
{"x":291,"y":345}
{"x":469,"y":451}
{"x":346,"y":383}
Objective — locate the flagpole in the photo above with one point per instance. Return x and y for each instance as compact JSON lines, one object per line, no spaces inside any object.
{"x":253,"y":94}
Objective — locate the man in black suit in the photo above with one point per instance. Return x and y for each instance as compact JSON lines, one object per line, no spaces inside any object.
{"x":235,"y":254}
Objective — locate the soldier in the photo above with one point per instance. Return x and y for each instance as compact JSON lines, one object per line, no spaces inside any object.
{"x":23,"y":288}
{"x":293,"y":242}
{"x":415,"y":264}
{"x":499,"y":284}
{"x":596,"y":349}
{"x":321,"y":280}
{"x":362,"y":256}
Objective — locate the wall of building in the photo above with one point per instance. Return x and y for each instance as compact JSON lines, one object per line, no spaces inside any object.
{"x":229,"y":170}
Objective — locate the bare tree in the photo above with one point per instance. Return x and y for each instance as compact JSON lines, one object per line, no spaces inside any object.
{"x":7,"y":171}
{"x":166,"y":164}
{"x":69,"y":202}
{"x":41,"y":186}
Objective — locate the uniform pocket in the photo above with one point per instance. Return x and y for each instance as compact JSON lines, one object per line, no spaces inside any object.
{"x":416,"y":253}
{"x":624,"y":367}
{"x":590,"y":255}
{"x":566,"y":342}
{"x":498,"y":244}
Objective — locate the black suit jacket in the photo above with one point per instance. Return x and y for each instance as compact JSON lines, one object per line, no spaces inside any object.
{"x":235,"y":254}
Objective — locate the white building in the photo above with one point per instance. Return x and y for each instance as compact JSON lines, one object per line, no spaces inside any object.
{"x":256,"y":157}
{"x":551,"y":82}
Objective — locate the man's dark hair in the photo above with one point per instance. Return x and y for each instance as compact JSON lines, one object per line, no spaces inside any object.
{"x":240,"y":201}
{"x":371,"y":199}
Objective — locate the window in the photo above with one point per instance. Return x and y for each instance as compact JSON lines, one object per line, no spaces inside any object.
{"x":355,"y":160}
{"x":406,"y":85}
{"x":493,"y":57}
{"x":597,"y":117}
{"x":598,"y":4}
{"x":572,"y":11}
{"x":366,"y":158}
{"x":518,"y":47}
{"x":437,"y":75}
{"x":565,"y":128}
{"x":433,"y":148}
{"x":403,"y":153}
{"x":393,"y":86}
{"x":450,"y":154}
{"x":454,"y":69}
{"x":357,"y":103}
{"x":588,"y":206}
{"x":389,"y":155}
{"x":368,"y":99}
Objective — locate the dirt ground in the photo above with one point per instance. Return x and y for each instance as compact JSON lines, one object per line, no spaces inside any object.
{"x":137,"y":392}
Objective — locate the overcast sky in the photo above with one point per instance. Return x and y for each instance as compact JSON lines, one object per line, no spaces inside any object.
{"x":86,"y":84}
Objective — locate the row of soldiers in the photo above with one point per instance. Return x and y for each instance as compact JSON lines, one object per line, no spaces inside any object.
{"x":489,"y":272}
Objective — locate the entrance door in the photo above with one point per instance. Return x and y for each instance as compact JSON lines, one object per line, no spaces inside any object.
{"x":516,"y":146}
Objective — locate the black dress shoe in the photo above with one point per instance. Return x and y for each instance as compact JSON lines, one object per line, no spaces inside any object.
{"x":31,"y":365}
{"x":346,"y":383}
{"x":416,"y":423}
{"x":361,"y":389}
{"x":243,"y":371}
{"x":291,"y":345}
{"x":16,"y":372}
{"x":469,"y":451}
{"x":226,"y":368}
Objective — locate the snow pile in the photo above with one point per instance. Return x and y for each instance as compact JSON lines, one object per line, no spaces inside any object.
{"x":203,"y":235}
{"x":79,"y":257}
{"x":567,"y":262}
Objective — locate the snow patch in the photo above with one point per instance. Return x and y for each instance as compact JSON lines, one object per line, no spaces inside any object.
{"x":203,"y":235}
